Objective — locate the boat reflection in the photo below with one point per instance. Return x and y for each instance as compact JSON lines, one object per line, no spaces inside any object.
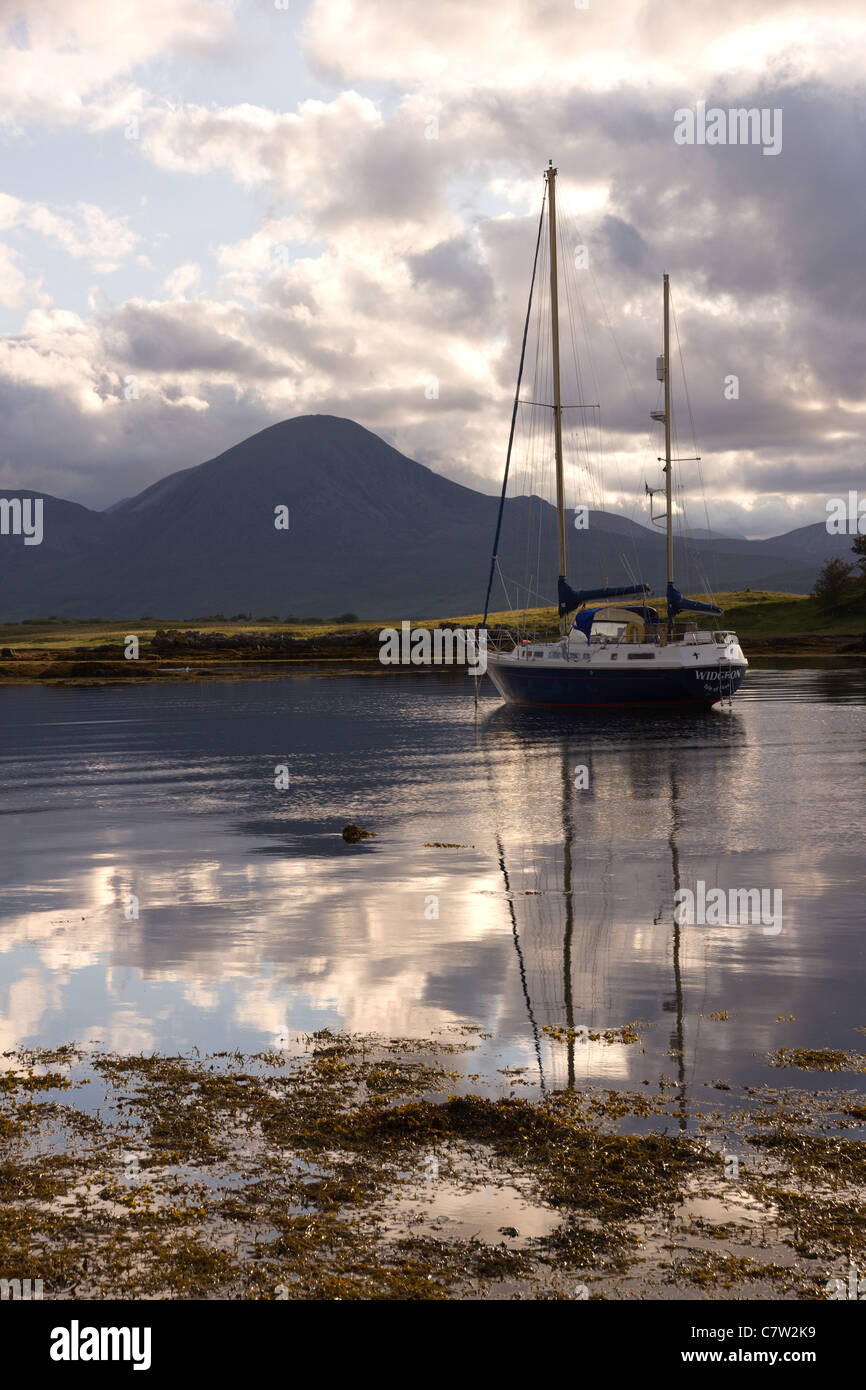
{"x":589,"y":818}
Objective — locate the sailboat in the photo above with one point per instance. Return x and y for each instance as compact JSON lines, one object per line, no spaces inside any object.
{"x":622,"y":654}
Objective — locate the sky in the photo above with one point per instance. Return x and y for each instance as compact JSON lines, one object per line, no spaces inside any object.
{"x":218,"y":215}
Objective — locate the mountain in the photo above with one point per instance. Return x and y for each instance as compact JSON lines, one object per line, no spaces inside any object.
{"x":812,"y":543}
{"x":56,"y":577}
{"x":369,"y":530}
{"x":700,"y":533}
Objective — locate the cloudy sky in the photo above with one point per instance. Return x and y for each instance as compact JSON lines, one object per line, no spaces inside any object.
{"x":216,"y":215}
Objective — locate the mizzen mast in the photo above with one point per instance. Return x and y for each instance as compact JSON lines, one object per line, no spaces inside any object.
{"x":557,"y":393}
{"x":669,"y":525}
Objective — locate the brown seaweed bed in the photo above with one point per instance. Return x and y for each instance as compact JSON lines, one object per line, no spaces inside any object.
{"x":360,"y":1168}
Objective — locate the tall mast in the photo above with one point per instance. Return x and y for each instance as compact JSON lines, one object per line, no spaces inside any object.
{"x":668,"y":487}
{"x":557,"y":396}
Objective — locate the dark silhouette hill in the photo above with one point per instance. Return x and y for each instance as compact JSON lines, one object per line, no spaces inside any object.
{"x":370,"y":531}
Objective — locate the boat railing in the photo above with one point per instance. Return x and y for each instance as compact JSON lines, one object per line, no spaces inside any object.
{"x":502,"y":639}
{"x":695,"y":636}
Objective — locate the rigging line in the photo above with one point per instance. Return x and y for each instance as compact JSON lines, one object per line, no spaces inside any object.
{"x":593,"y":372}
{"x":545,"y":405}
{"x":509,"y":897}
{"x":544,"y":423}
{"x":683,"y":373}
{"x":508,"y":606}
{"x":632,"y":575}
{"x":677,"y":944}
{"x":508,"y":603}
{"x":580,"y":465}
{"x":521,"y":480}
{"x":703,"y":574}
{"x":535,"y":477}
{"x":542,"y":437}
{"x":546,"y":600}
{"x":527,"y":558}
{"x":690,"y":547}
{"x":609,"y":326}
{"x":590,"y":362}
{"x":568,"y":893}
{"x":514,"y":414}
{"x":520,"y":960}
{"x":537,"y":574}
{"x":686,"y":551}
{"x":572,"y":296}
{"x":538,"y":549}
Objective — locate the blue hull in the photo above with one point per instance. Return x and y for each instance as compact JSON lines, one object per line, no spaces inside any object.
{"x":705,"y":686}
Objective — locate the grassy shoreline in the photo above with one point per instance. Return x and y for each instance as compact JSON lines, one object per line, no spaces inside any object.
{"x":67,"y":651}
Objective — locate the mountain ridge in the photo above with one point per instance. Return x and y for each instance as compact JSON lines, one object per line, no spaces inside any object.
{"x":370,"y":530}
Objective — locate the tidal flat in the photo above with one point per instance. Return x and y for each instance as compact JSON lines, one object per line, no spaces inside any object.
{"x":359,"y":1167}
{"x":472,"y":1054}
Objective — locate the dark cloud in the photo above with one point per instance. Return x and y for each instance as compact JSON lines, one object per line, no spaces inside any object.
{"x":461,"y":284}
{"x":181,"y":338}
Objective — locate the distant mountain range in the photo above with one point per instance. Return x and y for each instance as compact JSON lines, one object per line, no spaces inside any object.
{"x":370,"y":531}
{"x":700,"y":533}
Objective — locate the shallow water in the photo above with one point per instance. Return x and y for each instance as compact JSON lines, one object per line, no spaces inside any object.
{"x":255,"y":921}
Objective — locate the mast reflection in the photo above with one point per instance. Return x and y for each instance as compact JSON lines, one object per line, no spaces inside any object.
{"x":578,"y":901}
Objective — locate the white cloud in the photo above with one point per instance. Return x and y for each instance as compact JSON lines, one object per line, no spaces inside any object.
{"x":508,"y":44}
{"x":57,"y":55}
{"x":84,"y":231}
{"x":257,"y":145}
{"x":13,"y":282}
{"x":183,"y":279}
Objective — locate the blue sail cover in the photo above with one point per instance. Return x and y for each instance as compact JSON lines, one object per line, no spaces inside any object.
{"x":677,"y":603}
{"x":572,"y":598}
{"x":584,"y":620}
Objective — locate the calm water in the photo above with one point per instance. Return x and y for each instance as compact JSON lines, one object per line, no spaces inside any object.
{"x":257,"y":922}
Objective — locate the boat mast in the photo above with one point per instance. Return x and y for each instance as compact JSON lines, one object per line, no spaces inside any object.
{"x":557,"y":395}
{"x":669,"y":524}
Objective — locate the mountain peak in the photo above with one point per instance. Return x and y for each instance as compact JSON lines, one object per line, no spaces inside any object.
{"x":370,"y":530}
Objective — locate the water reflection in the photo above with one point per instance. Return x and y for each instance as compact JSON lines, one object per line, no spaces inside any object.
{"x":577,"y":887}
{"x":785,"y":678}
{"x":255,"y":920}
